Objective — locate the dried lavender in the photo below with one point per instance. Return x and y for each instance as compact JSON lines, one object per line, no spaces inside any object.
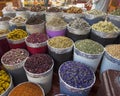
{"x":14,"y":56}
{"x":37,"y":38}
{"x":89,"y":46}
{"x":38,"y":63}
{"x":76,"y":74}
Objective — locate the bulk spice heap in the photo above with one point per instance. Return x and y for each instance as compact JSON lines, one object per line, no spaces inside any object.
{"x":17,"y":34}
{"x":27,"y":89}
{"x":14,"y":56}
{"x":105,"y":26}
{"x":37,"y":38}
{"x":56,"y":22}
{"x":94,"y":12}
{"x":18,"y":20}
{"x":4,"y":81}
{"x":113,"y":50}
{"x":89,"y":46}
{"x":37,"y":8}
{"x":76,"y":74}
{"x":34,"y":20}
{"x":79,"y":23}
{"x":54,"y":9}
{"x":116,"y":12}
{"x":38,"y":63}
{"x":60,"y":42}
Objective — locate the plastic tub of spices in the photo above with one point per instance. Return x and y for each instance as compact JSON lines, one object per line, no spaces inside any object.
{"x":35,"y":25}
{"x":78,"y":29}
{"x":37,"y":43}
{"x":13,"y":62}
{"x":94,"y":16}
{"x":56,"y":27}
{"x":22,"y":12}
{"x":17,"y":22}
{"x":6,"y":83}
{"x":53,"y":12}
{"x":61,"y":49}
{"x":16,"y":38}
{"x":88,"y":52}
{"x":111,"y":59}
{"x":27,"y":89}
{"x":76,"y":79}
{"x":104,"y":32}
{"x":39,"y":69}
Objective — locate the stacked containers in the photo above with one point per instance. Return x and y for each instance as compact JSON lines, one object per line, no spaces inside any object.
{"x":39,"y":69}
{"x":35,"y":24}
{"x":78,"y":29}
{"x":37,"y":43}
{"x":88,"y":52}
{"x":61,"y":49}
{"x":104,"y":32}
{"x":56,"y":27}
{"x":111,"y":59}
{"x":76,"y":79}
{"x":16,"y":38}
{"x":13,"y":62}
{"x":94,"y":16}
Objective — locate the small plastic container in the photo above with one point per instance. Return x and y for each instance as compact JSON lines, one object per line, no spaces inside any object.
{"x":9,"y":88}
{"x":44,"y":79}
{"x":109,"y":62}
{"x":55,"y":31}
{"x":114,"y":19}
{"x":91,"y":60}
{"x":27,"y":89}
{"x":17,"y":43}
{"x":35,"y":28}
{"x":16,"y":70}
{"x":76,"y":34}
{"x":70,"y":90}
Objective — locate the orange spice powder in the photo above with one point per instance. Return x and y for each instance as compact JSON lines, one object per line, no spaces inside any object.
{"x":27,"y":89}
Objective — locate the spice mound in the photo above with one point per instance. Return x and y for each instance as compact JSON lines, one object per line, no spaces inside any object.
{"x":38,"y":63}
{"x":73,"y":10}
{"x":17,"y":34}
{"x":5,"y":19}
{"x":76,"y":74}
{"x":60,"y":42}
{"x":114,"y":50}
{"x":56,"y":22}
{"x":54,"y":9}
{"x":37,"y":38}
{"x":116,"y":12}
{"x":105,"y":26}
{"x":89,"y":46}
{"x":79,"y":23}
{"x":37,"y":8}
{"x":4,"y":81}
{"x":14,"y":56}
{"x":95,"y":12}
{"x":34,"y":20}
{"x":27,"y":89}
{"x":18,"y":20}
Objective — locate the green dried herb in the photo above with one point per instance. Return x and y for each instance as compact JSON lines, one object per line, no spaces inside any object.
{"x":116,"y":12}
{"x":89,"y":46}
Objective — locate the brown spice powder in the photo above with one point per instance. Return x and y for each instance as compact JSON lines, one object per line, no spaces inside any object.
{"x":26,"y":89}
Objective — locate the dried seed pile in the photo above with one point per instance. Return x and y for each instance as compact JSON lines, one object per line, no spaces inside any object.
{"x":89,"y":46}
{"x":38,"y":63}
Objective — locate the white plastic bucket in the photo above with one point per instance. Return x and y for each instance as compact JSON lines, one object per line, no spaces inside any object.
{"x":44,"y":79}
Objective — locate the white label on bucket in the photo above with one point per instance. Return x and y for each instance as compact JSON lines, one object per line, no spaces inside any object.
{"x":90,"y":62}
